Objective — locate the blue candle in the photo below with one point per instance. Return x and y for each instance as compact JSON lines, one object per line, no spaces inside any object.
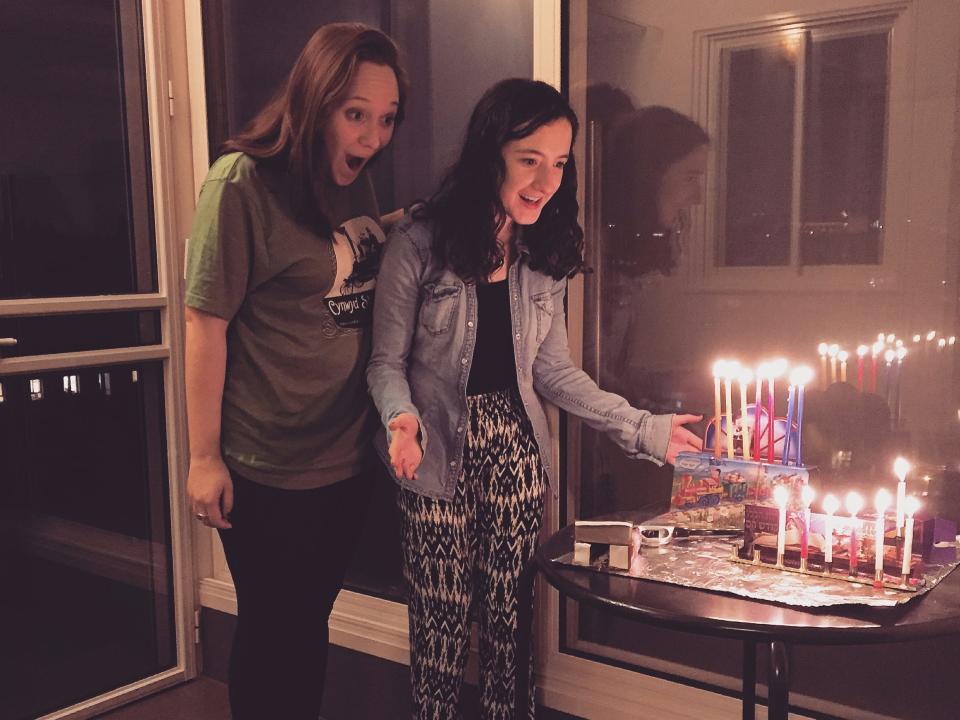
{"x":791,"y":393}
{"x":799,"y":377}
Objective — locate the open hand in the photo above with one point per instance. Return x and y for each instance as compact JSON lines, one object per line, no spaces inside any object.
{"x":681,"y":439}
{"x":405,"y":451}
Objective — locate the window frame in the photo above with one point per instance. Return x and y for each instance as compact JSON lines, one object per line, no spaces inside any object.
{"x":704,"y":273}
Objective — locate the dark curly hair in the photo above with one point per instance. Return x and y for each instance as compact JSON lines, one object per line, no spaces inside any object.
{"x":466,"y":209}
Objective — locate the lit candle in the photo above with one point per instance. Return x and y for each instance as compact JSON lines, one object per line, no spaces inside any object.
{"x":941,"y":344}
{"x":807,"y":495}
{"x":875,"y":350}
{"x":912,"y":505}
{"x":832,"y":352}
{"x":900,"y":468}
{"x":800,"y":376}
{"x":830,"y":506}
{"x":842,"y":356}
{"x":762,"y":371}
{"x":861,"y":351}
{"x":854,"y":503}
{"x":777,"y":368}
{"x":745,"y":378}
{"x":780,"y":495}
{"x":730,"y":369}
{"x":881,"y":502}
{"x":952,"y":340}
{"x":822,"y":348}
{"x":718,"y":369}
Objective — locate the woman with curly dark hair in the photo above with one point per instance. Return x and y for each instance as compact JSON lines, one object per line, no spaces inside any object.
{"x":469,"y":339}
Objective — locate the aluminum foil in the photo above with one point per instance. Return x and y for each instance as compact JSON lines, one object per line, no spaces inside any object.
{"x":706,"y":563}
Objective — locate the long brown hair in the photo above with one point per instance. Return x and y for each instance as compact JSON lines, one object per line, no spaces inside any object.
{"x":288,"y":131}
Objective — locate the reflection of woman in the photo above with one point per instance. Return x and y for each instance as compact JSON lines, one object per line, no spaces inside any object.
{"x":653,"y":167}
{"x":280,"y":274}
{"x":470,"y":338}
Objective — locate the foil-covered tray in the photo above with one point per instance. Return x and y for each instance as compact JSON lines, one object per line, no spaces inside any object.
{"x":705,"y":563}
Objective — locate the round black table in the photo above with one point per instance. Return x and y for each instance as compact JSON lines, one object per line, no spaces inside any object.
{"x":936,"y":613}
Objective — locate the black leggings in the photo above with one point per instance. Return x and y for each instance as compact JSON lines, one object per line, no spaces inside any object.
{"x":288,"y":551}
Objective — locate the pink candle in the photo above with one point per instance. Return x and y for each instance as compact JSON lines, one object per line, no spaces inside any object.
{"x":777,"y":368}
{"x":843,"y":355}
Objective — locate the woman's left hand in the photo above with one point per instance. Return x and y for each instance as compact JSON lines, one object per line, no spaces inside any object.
{"x":681,"y":439}
{"x":405,"y":451}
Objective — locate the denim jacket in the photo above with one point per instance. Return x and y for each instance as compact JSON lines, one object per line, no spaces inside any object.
{"x":424,"y":333}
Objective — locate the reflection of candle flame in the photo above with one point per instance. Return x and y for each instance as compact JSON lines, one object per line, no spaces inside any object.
{"x":916,"y":338}
{"x":931,"y":335}
{"x":889,"y":355}
{"x":807,"y":495}
{"x":890,"y":338}
{"x":876,"y":348}
{"x":901,"y":354}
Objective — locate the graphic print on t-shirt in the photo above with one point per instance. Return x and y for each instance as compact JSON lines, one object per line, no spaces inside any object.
{"x":357,"y":244}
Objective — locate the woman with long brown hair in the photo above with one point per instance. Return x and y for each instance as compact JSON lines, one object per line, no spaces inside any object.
{"x":281,"y":267}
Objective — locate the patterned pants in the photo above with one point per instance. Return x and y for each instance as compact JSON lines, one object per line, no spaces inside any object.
{"x":476,"y":550}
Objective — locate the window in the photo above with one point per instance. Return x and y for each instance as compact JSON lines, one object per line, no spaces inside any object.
{"x":802,"y":140}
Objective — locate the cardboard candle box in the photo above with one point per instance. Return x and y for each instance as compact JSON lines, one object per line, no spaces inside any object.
{"x":707,"y":487}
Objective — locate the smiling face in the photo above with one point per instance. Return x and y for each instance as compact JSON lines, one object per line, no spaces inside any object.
{"x":682,"y":186}
{"x":534,"y":168}
{"x":363,"y":123}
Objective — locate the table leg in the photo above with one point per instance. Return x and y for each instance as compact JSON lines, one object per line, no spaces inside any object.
{"x":778,"y":682}
{"x":749,"y":679}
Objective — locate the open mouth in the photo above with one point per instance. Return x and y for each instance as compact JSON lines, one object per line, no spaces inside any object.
{"x":531,"y":200}
{"x":354,"y":162}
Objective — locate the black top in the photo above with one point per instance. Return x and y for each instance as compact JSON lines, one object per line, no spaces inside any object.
{"x":493,"y":368}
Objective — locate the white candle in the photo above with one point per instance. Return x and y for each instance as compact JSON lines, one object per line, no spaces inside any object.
{"x":911,"y":506}
{"x":900,"y":468}
{"x":822,"y":348}
{"x":730,"y":370}
{"x":881,"y":503}
{"x":854,"y":504}
{"x":780,"y":495}
{"x":830,"y":506}
{"x":843,"y":355}
{"x":718,"y":370}
{"x":745,"y":378}
{"x":807,"y":495}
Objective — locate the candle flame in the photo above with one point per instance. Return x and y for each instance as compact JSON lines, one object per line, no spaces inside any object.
{"x":731,"y":369}
{"x":876,"y":348}
{"x":719,"y":368}
{"x":853,"y":503}
{"x":807,"y":495}
{"x":881,"y":337}
{"x":780,"y":495}
{"x":833,"y":350}
{"x":910,"y":505}
{"x":889,"y":355}
{"x":777,"y":368}
{"x":890,"y":338}
{"x":843,"y":355}
{"x":931,"y":335}
{"x":898,"y":343}
{"x":801,"y":375}
{"x":746,"y":375}
{"x":901,"y":466}
{"x":952,"y":340}
{"x":916,"y":338}
{"x":882,"y":500}
{"x":901,"y":354}
{"x":862,"y":350}
{"x":942,"y":342}
{"x":831,"y":504}
{"x":822,"y":348}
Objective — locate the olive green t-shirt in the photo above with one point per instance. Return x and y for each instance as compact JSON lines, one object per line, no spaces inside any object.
{"x":296,"y":413}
